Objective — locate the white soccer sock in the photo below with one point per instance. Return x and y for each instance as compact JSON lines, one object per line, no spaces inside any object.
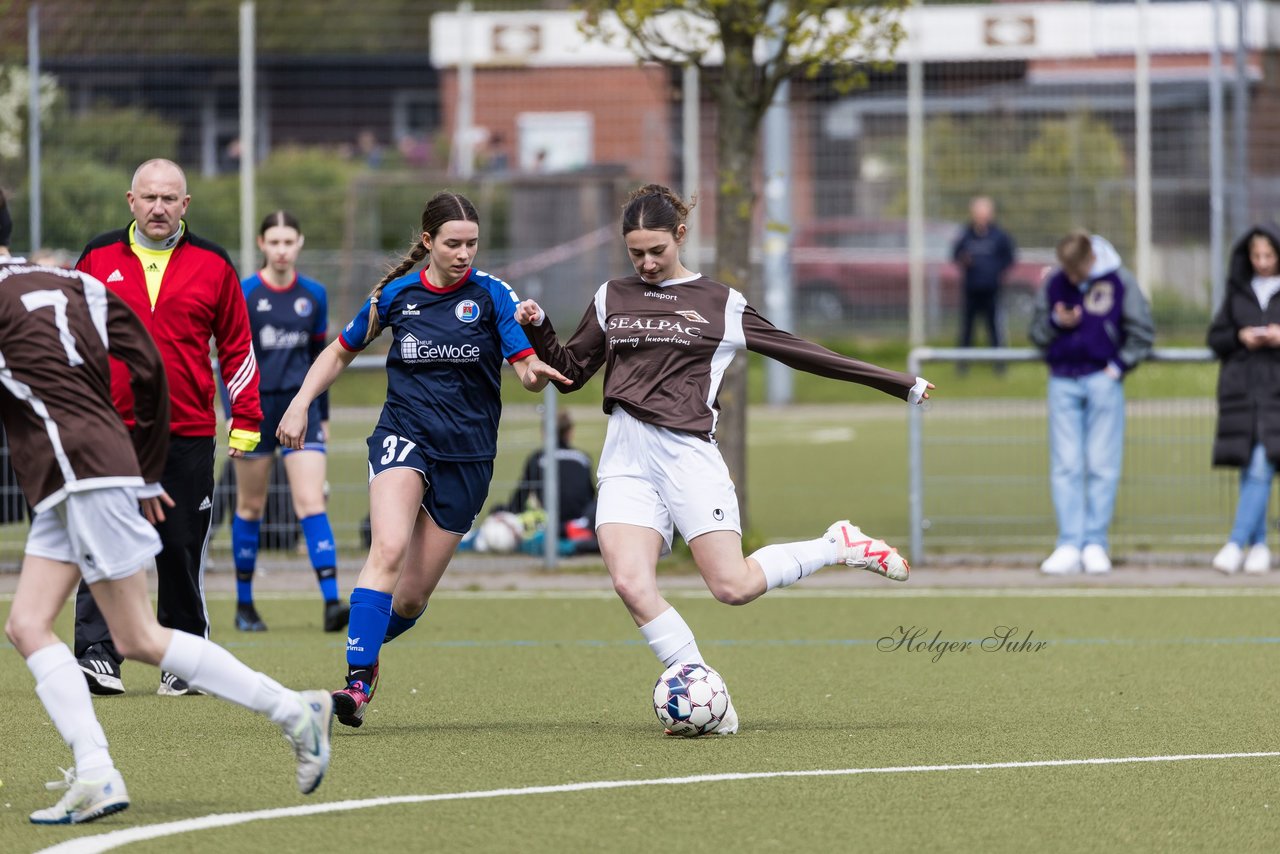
{"x":670,"y":638}
{"x":61,"y":688}
{"x":784,"y":564}
{"x":212,"y":669}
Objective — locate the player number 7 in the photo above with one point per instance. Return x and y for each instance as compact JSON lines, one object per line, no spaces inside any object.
{"x":56,"y":300}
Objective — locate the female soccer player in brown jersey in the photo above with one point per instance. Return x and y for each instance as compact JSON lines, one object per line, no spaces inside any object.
{"x":665,"y":337}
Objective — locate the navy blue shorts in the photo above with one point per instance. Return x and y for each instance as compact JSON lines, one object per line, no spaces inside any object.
{"x":455,"y":491}
{"x":274,"y":403}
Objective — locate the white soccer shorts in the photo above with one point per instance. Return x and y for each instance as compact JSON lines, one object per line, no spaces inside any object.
{"x":658,"y":478}
{"x":102,"y":531}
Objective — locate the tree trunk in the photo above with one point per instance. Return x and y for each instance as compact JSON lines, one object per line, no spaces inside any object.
{"x":736,"y":144}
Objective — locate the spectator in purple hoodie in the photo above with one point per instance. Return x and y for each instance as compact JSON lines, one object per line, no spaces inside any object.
{"x":1093,"y":325}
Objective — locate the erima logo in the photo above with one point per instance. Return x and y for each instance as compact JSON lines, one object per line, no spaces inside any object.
{"x":206,"y":504}
{"x":660,"y":295}
{"x":324,"y":546}
{"x":353,"y":645}
{"x":692,"y":316}
{"x":264,"y":304}
{"x":115,"y":277}
{"x":410,"y":308}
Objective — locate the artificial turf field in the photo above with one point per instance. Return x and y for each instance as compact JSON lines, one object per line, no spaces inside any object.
{"x":506,"y":691}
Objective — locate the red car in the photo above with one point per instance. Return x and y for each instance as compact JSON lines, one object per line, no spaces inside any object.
{"x":854,"y":268}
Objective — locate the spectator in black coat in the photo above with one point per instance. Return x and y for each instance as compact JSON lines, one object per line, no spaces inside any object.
{"x":1245,"y":335}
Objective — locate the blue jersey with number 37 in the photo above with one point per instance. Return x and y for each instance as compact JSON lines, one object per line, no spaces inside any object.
{"x":444,"y":370}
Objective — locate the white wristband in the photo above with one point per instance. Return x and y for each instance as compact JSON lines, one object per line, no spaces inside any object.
{"x":150,"y":490}
{"x":916,"y":395}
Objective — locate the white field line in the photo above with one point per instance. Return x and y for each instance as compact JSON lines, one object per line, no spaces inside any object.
{"x":117,"y":838}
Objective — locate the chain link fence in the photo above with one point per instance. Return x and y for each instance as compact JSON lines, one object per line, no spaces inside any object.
{"x":360,"y":114}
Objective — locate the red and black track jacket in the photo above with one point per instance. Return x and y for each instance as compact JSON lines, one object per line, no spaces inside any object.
{"x":200,"y":298}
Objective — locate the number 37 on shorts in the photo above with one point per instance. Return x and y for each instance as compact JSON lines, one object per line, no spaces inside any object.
{"x":389,"y":451}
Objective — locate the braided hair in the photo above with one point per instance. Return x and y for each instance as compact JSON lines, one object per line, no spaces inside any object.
{"x":441,"y":208}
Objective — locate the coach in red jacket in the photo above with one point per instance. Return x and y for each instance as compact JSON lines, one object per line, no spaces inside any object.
{"x":186,"y":291}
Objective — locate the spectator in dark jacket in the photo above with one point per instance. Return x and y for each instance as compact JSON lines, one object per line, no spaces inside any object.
{"x":1094,"y":326}
{"x":1245,"y":334}
{"x":577,"y":489}
{"x":983,"y":251}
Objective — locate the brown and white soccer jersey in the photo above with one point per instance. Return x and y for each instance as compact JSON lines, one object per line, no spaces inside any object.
{"x":57,"y":328}
{"x":665,"y":349}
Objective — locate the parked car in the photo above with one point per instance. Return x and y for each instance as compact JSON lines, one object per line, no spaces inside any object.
{"x":849,"y":268}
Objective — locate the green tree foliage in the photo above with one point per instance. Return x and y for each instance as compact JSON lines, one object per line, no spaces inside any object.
{"x":1048,"y":175}
{"x":1079,"y":177}
{"x":761,"y":43}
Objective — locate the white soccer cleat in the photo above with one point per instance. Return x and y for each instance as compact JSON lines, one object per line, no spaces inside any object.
{"x":310,"y":739}
{"x":85,"y":800}
{"x":856,"y":549}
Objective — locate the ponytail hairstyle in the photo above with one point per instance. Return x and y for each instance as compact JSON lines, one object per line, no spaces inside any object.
{"x":654,"y":207}
{"x":441,"y":208}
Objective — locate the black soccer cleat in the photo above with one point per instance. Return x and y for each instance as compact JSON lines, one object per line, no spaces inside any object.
{"x":247,"y":619}
{"x":336,"y":614}
{"x":101,"y":671}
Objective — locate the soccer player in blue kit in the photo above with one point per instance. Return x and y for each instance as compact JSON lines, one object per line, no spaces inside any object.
{"x":431,"y":453}
{"x":289,"y":315}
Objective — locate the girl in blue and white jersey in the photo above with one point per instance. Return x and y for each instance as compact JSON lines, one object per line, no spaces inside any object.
{"x":289,"y":316}
{"x":431,"y":453}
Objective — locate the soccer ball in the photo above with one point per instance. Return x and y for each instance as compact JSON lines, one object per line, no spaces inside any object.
{"x":500,"y":533}
{"x":690,"y":699}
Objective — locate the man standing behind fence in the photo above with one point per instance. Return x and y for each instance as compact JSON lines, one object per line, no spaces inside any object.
{"x":186,"y":291}
{"x":1093,"y":325}
{"x":983,"y":252}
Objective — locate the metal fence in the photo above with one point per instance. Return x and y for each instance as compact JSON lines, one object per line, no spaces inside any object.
{"x":979,"y":472}
{"x":1148,"y":123}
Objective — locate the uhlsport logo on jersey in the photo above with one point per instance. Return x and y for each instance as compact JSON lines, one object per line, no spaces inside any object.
{"x":302,"y":307}
{"x":467,"y":311}
{"x":414,"y":351}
